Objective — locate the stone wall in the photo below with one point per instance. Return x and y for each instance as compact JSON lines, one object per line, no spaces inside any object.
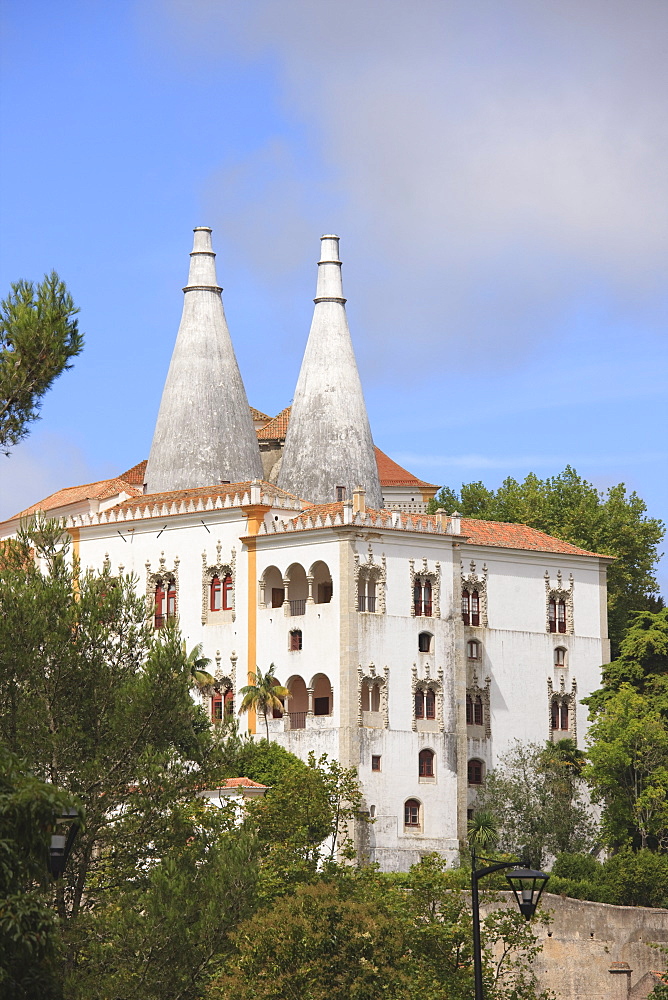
{"x":586,"y":940}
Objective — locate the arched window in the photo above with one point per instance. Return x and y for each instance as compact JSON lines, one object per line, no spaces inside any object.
{"x":422,"y":596}
{"x":473,"y":650}
{"x":171,"y":599}
{"x":159,"y":620}
{"x":475,"y":608}
{"x":227,"y":593}
{"x":322,"y":695}
{"x":412,"y":813}
{"x":466,"y":607}
{"x":560,"y":714}
{"x":475,"y":772}
{"x":426,"y":763}
{"x":424,"y":642}
{"x":560,"y":657}
{"x":295,"y":640}
{"x":216,"y":591}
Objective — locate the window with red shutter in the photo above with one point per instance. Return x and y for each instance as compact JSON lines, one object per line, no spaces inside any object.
{"x":171,"y":599}
{"x":217,"y":708}
{"x":564,"y":715}
{"x":430,"y":704}
{"x":216,"y":595}
{"x":552,"y":616}
{"x":419,"y":705}
{"x":227,"y":593}
{"x":412,"y":813}
{"x":469,"y":710}
{"x":555,"y":714}
{"x":417,"y":598}
{"x":475,"y":608}
{"x":426,"y":764}
{"x":477,"y":712}
{"x":159,"y":606}
{"x":475,"y":772}
{"x":561,"y":616}
{"x":427,"y":597}
{"x":466,"y":607}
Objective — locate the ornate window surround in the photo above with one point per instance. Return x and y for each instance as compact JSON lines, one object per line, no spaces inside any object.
{"x":476,"y":691}
{"x":422,"y":684}
{"x":560,"y":593}
{"x":370,"y":570}
{"x":221,"y":570}
{"x":434,"y":577}
{"x":163,"y":574}
{"x":562,"y":696}
{"x":471,"y":582}
{"x":374,"y":680}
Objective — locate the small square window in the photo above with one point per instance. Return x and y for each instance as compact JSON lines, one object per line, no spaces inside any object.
{"x":375,"y":762}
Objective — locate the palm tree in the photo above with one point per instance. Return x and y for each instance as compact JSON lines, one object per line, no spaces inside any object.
{"x":264,"y":694}
{"x":197,"y":664}
{"x":483,"y":831}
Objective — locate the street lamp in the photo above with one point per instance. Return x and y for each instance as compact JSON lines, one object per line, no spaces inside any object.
{"x":67,"y":827}
{"x":527,"y":885}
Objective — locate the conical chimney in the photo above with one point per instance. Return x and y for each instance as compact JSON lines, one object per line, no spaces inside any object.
{"x":328,"y":450}
{"x":204,"y":434}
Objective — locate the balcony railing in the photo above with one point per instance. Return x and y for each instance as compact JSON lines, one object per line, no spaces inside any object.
{"x":297,"y":720}
{"x":298,"y":608}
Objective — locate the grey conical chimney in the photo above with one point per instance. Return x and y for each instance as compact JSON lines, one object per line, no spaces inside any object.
{"x":204,"y":434}
{"x":328,"y":444}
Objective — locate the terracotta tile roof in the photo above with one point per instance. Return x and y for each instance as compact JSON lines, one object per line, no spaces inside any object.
{"x":102,"y":490}
{"x":243,"y":783}
{"x":199,"y":492}
{"x":277,"y":428}
{"x":496,"y":534}
{"x":136,"y":474}
{"x":391,"y":474}
{"x":259,"y":415}
{"x":518,"y":536}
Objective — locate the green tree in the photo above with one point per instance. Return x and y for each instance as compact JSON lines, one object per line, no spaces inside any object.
{"x":29,"y":933}
{"x":99,"y":704}
{"x":642,"y":663}
{"x":538,"y":798}
{"x":568,"y":507}
{"x":263,"y":695}
{"x":628,"y":769}
{"x":38,"y":337}
{"x":197,"y":664}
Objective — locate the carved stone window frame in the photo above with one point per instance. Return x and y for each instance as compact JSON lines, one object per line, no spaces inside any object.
{"x":423,"y":574}
{"x":374,"y":679}
{"x":221,"y":570}
{"x":423,"y":684}
{"x":163,"y":574}
{"x":471,"y":581}
{"x":369,"y":569}
{"x":560,"y":593}
{"x":474,"y":690}
{"x":561,"y":696}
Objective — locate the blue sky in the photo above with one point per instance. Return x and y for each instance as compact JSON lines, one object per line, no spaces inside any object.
{"x":496,"y":172}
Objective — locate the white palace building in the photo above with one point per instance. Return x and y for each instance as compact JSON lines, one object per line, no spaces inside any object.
{"x":416,"y":648}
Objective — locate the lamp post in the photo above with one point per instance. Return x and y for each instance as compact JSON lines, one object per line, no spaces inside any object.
{"x":527,"y":885}
{"x":62,"y":841}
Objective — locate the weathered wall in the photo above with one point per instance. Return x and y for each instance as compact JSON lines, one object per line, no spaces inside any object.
{"x":584,"y":941}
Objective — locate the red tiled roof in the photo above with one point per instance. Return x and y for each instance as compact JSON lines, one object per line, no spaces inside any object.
{"x":102,"y":490}
{"x":136,"y":474}
{"x":277,"y":428}
{"x":258,"y":414}
{"x":496,"y":534}
{"x":199,"y":492}
{"x":391,"y":474}
{"x":243,"y":783}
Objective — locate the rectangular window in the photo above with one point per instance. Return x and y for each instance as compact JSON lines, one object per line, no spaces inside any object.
{"x":564,"y":715}
{"x":375,"y":762}
{"x":430,"y":704}
{"x":477,"y":712}
{"x":475,"y":608}
{"x":295,"y":642}
{"x":277,"y":597}
{"x":340,"y":493}
{"x":552,"y":616}
{"x":466,"y":617}
{"x":561,"y":616}
{"x":419,"y":705}
{"x":469,"y":710}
